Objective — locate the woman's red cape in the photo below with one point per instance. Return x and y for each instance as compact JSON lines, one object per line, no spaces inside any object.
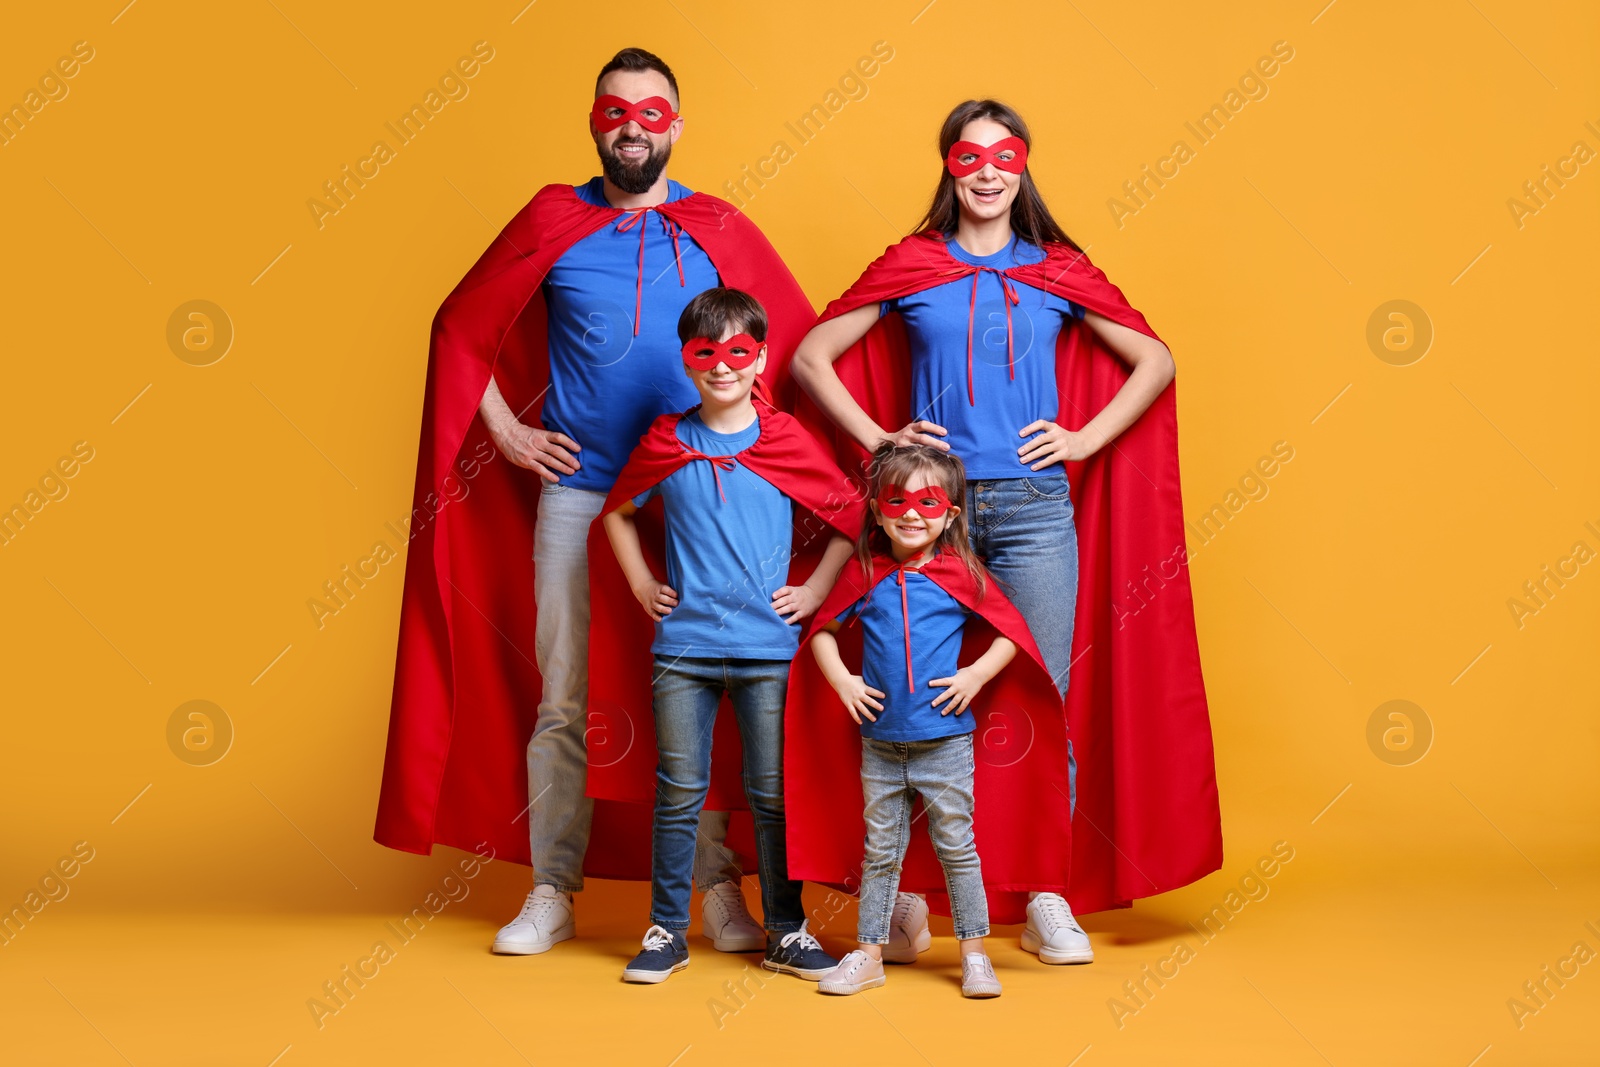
{"x":1020,"y":816}
{"x":466,"y":689}
{"x":1147,"y":817}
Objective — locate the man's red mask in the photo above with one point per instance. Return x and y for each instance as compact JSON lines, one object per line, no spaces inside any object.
{"x":930,"y":501}
{"x":985,"y":154}
{"x":702,"y":353}
{"x":611,"y":112}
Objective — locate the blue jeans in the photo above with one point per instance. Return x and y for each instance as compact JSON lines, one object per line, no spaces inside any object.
{"x":1023,"y":528}
{"x":559,"y":812}
{"x":687,"y":691}
{"x":893,"y":773}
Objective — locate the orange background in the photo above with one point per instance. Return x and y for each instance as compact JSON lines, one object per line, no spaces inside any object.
{"x":1375,"y":565}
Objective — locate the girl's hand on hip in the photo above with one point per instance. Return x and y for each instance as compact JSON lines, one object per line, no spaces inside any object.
{"x":858,"y":697}
{"x":1055,"y":444}
{"x":959,"y":689}
{"x":657,"y":598}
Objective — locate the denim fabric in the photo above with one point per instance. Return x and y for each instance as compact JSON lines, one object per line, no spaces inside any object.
{"x":892,"y":774}
{"x":687,"y":691}
{"x":1024,"y":530}
{"x":559,"y":812}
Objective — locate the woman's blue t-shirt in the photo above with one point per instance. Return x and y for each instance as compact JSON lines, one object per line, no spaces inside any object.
{"x":985,"y":433}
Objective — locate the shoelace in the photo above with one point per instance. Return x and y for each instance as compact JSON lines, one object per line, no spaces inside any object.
{"x":657,"y":938}
{"x":1055,"y":909}
{"x":981,"y":964}
{"x":853,"y":962}
{"x":536,"y":905}
{"x":802,"y":937}
{"x":672,"y":230}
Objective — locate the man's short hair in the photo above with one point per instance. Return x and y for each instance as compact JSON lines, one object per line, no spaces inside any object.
{"x":637,"y":59}
{"x":718,"y":311}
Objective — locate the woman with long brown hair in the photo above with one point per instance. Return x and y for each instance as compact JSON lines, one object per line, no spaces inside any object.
{"x":990,"y":329}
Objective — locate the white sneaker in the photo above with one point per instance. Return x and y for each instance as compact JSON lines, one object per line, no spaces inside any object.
{"x":728,"y":923}
{"x":977,"y":976}
{"x":908,"y":929}
{"x":856,"y":973}
{"x":546,"y":918}
{"x":1053,"y":934}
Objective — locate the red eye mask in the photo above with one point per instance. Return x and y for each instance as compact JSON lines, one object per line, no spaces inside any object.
{"x":984,"y":154}
{"x":918,"y":499}
{"x":702,"y":353}
{"x":632,"y":112}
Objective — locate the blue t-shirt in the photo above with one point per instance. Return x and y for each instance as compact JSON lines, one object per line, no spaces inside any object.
{"x":725,"y":560}
{"x":606,"y":385}
{"x":985,"y":434}
{"x":937,"y":622}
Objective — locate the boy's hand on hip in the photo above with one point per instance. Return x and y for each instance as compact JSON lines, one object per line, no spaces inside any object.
{"x":545,"y":451}
{"x":657,"y":598}
{"x":959,"y":689}
{"x":796,"y":602}
{"x":858,"y":697}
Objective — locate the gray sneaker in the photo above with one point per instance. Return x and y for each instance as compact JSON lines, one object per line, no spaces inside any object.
{"x":977,"y":976}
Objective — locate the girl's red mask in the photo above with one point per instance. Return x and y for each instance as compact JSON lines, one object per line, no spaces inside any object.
{"x":702,"y":353}
{"x":985,"y":154}
{"x":632,"y":112}
{"x":930,"y":501}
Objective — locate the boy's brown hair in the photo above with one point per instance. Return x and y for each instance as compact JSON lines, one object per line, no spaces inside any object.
{"x":717,"y":311}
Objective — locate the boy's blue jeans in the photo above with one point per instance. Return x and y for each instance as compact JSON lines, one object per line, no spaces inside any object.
{"x":893,"y":773}
{"x":686,"y":693}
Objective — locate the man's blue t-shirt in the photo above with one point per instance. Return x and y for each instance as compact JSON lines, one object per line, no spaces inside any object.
{"x":724,"y":560}
{"x":937,"y":622}
{"x":985,"y":434}
{"x":606,"y":385}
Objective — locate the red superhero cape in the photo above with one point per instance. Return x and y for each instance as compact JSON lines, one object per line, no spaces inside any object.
{"x":466,"y":689}
{"x":1147,"y":817}
{"x":1020,"y":819}
{"x":622,"y":748}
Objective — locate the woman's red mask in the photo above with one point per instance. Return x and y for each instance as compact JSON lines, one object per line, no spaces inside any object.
{"x":611,"y":112}
{"x":967,"y":158}
{"x":930,"y":501}
{"x":738,"y":352}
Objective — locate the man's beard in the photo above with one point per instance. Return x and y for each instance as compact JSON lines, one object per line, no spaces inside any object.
{"x":633,"y":177}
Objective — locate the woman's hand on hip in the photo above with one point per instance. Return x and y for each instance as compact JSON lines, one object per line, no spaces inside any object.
{"x":1054,"y":444}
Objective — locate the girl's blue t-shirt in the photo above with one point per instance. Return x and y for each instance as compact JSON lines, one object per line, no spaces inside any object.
{"x":724,"y":559}
{"x":985,"y":434}
{"x":606,"y":383}
{"x":937,"y":622}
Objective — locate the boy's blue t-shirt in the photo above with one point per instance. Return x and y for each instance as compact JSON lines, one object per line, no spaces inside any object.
{"x":724,"y":560}
{"x":937,"y":622}
{"x":607,"y":385}
{"x":985,"y":434}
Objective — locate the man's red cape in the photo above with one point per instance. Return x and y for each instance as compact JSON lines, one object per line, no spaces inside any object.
{"x":622,"y":738}
{"x":466,"y":690}
{"x":1020,"y":818}
{"x":1147,"y":817}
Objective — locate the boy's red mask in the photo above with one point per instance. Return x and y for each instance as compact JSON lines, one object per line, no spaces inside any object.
{"x":632,"y":112}
{"x":930,"y":501}
{"x":702,"y":353}
{"x":985,"y":154}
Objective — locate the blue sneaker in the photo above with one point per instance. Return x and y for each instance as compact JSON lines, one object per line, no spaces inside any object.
{"x":664,"y":952}
{"x":799,"y":954}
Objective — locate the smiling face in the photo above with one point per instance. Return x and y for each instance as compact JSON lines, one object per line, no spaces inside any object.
{"x":987,"y":192}
{"x":631,"y":156}
{"x":721,"y":385}
{"x":913,"y":530}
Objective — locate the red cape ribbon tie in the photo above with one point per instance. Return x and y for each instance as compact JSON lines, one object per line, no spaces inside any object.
{"x":727,"y":463}
{"x":672,"y":229}
{"x":1011,"y":297}
{"x":702,"y":353}
{"x":632,"y":112}
{"x":983,"y":155}
{"x":905,"y":615}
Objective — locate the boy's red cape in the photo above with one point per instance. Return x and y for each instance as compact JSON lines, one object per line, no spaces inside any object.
{"x":622,"y":738}
{"x":466,"y":689}
{"x":1020,"y":818}
{"x":1147,"y":817}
